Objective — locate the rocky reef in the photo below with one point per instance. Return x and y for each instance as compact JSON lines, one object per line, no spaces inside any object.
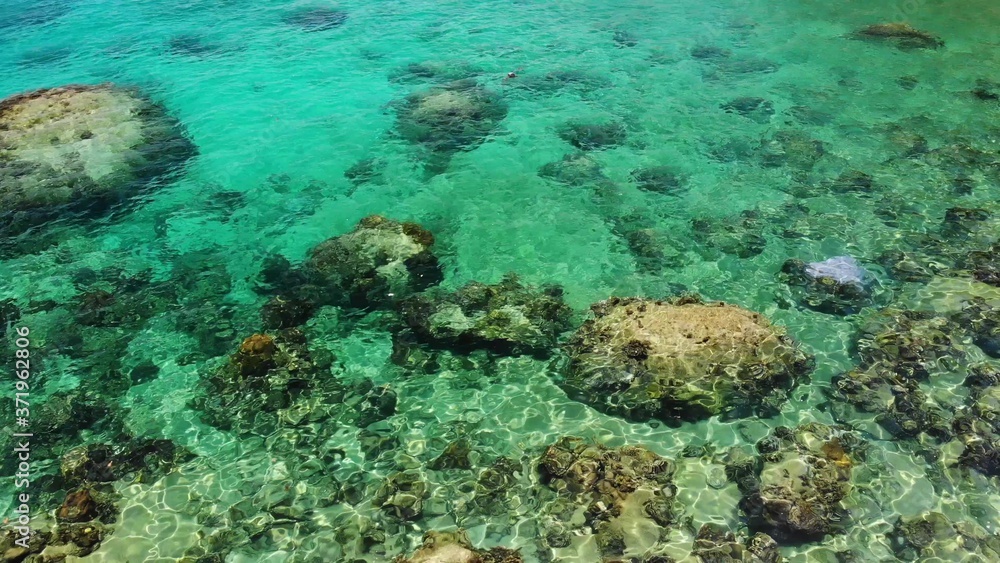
{"x":624,"y":498}
{"x":792,"y":490}
{"x":81,"y":149}
{"x":680,"y":360}
{"x":505,"y":318}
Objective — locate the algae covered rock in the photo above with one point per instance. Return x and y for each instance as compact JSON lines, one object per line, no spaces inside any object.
{"x":507,"y":317}
{"x":716,"y":544}
{"x":594,"y":136}
{"x":626,"y":496}
{"x":380,"y":261}
{"x":81,"y":149}
{"x":898,"y":349}
{"x":977,"y":426}
{"x":932,"y":536}
{"x":455,"y":547}
{"x":446,"y":119}
{"x":903,"y":35}
{"x":803,"y":475}
{"x":265,"y":375}
{"x":678,"y":360}
{"x":402,"y":495}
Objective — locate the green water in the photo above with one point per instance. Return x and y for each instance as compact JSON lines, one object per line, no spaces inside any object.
{"x":278,"y":115}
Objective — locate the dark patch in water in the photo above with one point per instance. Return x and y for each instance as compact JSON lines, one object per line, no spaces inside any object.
{"x":191,"y":45}
{"x":316,"y":19}
{"x":29,"y":13}
{"x":44,"y":57}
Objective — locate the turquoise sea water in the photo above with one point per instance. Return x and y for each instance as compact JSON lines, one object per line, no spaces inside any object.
{"x":279,"y":114}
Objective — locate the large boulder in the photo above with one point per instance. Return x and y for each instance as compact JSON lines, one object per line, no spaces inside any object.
{"x":678,"y":360}
{"x":507,"y":317}
{"x":380,"y":261}
{"x":81,"y":148}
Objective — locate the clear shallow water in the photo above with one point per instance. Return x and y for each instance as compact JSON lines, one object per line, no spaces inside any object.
{"x":278,"y":115}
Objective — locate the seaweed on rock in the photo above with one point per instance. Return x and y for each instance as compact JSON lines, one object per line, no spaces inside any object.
{"x":932,"y":536}
{"x":977,"y":426}
{"x":899,"y":349}
{"x":80,"y":150}
{"x":803,"y":475}
{"x":742,"y":236}
{"x":681,"y":360}
{"x":716,"y":544}
{"x":455,"y":547}
{"x":506,"y":318}
{"x":375,"y":265}
{"x":623,"y":492}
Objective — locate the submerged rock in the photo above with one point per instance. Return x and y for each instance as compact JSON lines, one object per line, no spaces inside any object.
{"x":264,"y":376}
{"x":716,"y":544}
{"x":899,"y":349}
{"x":376,"y":264}
{"x":932,"y":536}
{"x":624,"y":39}
{"x":624,"y":493}
{"x":315,"y":19}
{"x":803,"y":476}
{"x":594,"y":136}
{"x":741,"y":236}
{"x":904,"y":36}
{"x":708,"y":52}
{"x":663,"y":180}
{"x":987,"y":90}
{"x":756,"y":109}
{"x":402,"y":495}
{"x":681,"y":360}
{"x":557,"y":80}
{"x":576,"y":169}
{"x":977,"y":426}
{"x":81,"y":149}
{"x":434,"y":71}
{"x":837,"y":286}
{"x":791,"y":148}
{"x":457,"y":116}
{"x":455,"y":547}
{"x":506,"y":318}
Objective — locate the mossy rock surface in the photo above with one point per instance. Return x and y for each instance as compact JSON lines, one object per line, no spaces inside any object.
{"x":80,"y":148}
{"x":681,"y":360}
